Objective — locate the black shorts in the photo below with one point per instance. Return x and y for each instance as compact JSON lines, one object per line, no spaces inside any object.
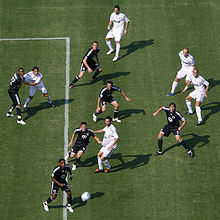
{"x":109,"y":100}
{"x":14,"y":97}
{"x":92,"y":64}
{"x":55,"y":188}
{"x":76,"y":147}
{"x":167,"y":130}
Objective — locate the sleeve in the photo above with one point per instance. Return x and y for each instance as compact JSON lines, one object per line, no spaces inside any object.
{"x":112,"y":17}
{"x":115,"y":133}
{"x":38,"y":79}
{"x":54,"y":173}
{"x":69,"y":170}
{"x":76,"y":131}
{"x":206,"y":83}
{"x":180,"y":53}
{"x":192,"y":61}
{"x":126,"y":19}
{"x":180,"y":116}
{"x":166,"y":109}
{"x":92,"y":133}
{"x":101,"y":93}
{"x":116,"y":88}
{"x":104,"y":129}
{"x":88,"y":53}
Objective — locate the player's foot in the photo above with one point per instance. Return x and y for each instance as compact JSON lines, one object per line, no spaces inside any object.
{"x":98,"y":171}
{"x":21,"y":122}
{"x":158,"y":153}
{"x":52,"y":105}
{"x":115,"y":59}
{"x":109,"y":52}
{"x":71,"y":86}
{"x":189,"y":113}
{"x":74,"y":167}
{"x":116,"y":120}
{"x":69,"y":207}
{"x":171,"y":94}
{"x":107,"y":170}
{"x":200,"y":123}
{"x":94,"y":117}
{"x":67,"y":156}
{"x":46,"y":208}
{"x":190,"y":153}
{"x":9,"y":114}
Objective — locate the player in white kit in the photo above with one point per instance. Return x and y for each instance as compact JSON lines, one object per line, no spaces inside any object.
{"x":118,"y":19}
{"x":35,"y":78}
{"x":109,"y":144}
{"x":201,"y":88}
{"x":188,"y":64}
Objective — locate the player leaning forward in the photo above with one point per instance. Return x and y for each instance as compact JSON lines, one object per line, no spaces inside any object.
{"x":201,"y":88}
{"x":118,"y":19}
{"x":109,"y":144}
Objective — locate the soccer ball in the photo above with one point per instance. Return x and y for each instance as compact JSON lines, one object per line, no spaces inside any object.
{"x":85,"y":196}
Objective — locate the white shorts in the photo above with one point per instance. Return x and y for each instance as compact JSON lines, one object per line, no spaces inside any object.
{"x":40,"y":87}
{"x":115,"y":34}
{"x":185,"y":71}
{"x":106,"y":152}
{"x":197,"y":95}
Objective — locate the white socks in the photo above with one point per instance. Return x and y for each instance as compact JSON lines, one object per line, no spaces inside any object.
{"x":27,"y":102}
{"x":117,"y":49}
{"x":174,"y":85}
{"x":108,"y":42}
{"x":189,"y":106}
{"x":100,"y":163}
{"x":107,"y":164}
{"x":49,"y":100}
{"x":198,"y":113}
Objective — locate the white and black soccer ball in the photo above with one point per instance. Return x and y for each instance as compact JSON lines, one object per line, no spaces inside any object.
{"x":85,"y":196}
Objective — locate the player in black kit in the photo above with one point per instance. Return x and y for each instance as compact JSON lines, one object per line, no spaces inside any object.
{"x":89,"y":63}
{"x":81,"y":143}
{"x":173,"y":125}
{"x":105,"y":96}
{"x":59,"y":175}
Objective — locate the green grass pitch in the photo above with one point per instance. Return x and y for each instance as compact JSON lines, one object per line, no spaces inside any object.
{"x":141,"y":186}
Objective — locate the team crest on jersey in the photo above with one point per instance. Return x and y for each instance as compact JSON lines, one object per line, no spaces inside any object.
{"x":85,"y":136}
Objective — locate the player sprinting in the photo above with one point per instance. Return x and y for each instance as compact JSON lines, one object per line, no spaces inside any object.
{"x":201,"y":88}
{"x":173,"y":125}
{"x":118,"y":19}
{"x":88,"y":63}
{"x":188,"y":64}
{"x":105,"y":96}
{"x":35,"y":78}
{"x":59,"y":175}
{"x":109,"y":144}
{"x":78,"y":149}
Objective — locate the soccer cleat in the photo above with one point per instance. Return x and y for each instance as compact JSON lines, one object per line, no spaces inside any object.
{"x":9,"y":114}
{"x":107,"y":170}
{"x":52,"y":105}
{"x":46,"y":208}
{"x":200,"y":123}
{"x":94,"y":117}
{"x":69,"y":207}
{"x":109,"y":52}
{"x":71,"y":86}
{"x":67,"y":156}
{"x":171,"y":94}
{"x":190,"y":153}
{"x":116,"y":120}
{"x":21,"y":122}
{"x":189,"y":113}
{"x":158,"y":153}
{"x":74,"y":167}
{"x":115,"y":59}
{"x":98,"y":171}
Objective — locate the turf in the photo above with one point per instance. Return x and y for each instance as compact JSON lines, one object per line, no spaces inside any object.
{"x":173,"y":186}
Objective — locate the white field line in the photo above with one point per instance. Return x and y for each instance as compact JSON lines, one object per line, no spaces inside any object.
{"x":66,"y":112}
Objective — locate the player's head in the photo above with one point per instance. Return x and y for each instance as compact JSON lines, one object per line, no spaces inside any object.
{"x":83,"y":126}
{"x":94,"y":45}
{"x":195,"y":73}
{"x":35,"y":70}
{"x":109,"y":84}
{"x":21,"y":71}
{"x":185,"y":52}
{"x":108,"y":121}
{"x":62,"y":163}
{"x":172,"y":107}
{"x":116,"y":9}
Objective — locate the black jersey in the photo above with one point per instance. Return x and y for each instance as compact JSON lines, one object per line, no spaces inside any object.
{"x":61,"y":174}
{"x":83,"y":136}
{"x":105,"y":94}
{"x":173,"y":118}
{"x":90,"y":54}
{"x":16,"y":82}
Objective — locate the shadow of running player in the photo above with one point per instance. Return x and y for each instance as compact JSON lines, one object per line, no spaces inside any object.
{"x":213,"y":107}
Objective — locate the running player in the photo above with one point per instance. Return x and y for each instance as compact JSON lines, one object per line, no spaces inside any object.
{"x":35,"y":78}
{"x":173,"y":125}
{"x":89,"y":63}
{"x":81,"y":143}
{"x":106,"y":96}
{"x":188,"y":64}
{"x":198,"y":94}
{"x":117,"y":31}
{"x":59,"y":175}
{"x":109,"y":144}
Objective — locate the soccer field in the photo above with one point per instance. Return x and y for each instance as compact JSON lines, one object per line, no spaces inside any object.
{"x":140,"y":186}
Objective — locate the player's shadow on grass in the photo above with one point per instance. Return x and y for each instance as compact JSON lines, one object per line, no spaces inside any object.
{"x":195,"y":141}
{"x":136,"y":45}
{"x":44,"y":105}
{"x":213,"y":107}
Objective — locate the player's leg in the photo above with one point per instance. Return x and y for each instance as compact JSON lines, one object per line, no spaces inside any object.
{"x":116,"y":106}
{"x":100,"y":164}
{"x":82,"y":71}
{"x":54,"y":191}
{"x":78,"y":157}
{"x":97,"y":72}
{"x":183,"y":143}
{"x":105,"y":161}
{"x":160,"y":143}
{"x":46,"y":95}
{"x":108,"y":42}
{"x":198,"y":112}
{"x":117,"y":51}
{"x":189,"y":104}
{"x":9,"y":113}
{"x":69,"y":199}
{"x":99,"y":111}
{"x":32,"y":91}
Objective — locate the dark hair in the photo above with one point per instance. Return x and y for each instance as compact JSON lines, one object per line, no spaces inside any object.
{"x":186,"y":49}
{"x":196,"y":70}
{"x":20,"y":68}
{"x":108,"y":117}
{"x":62,"y":160}
{"x":95,"y":42}
{"x":109,"y":82}
{"x":117,"y":6}
{"x":83,"y":123}
{"x":172,"y":103}
{"x":35,"y":68}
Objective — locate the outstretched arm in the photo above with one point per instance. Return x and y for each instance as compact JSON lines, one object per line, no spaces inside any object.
{"x":98,"y":105}
{"x":186,"y":87}
{"x":206,"y":90}
{"x":116,"y":140}
{"x":159,"y":110}
{"x":182,"y":125}
{"x":127,"y":99}
{"x":97,"y":139}
{"x":126,"y":28}
{"x":109,"y":25}
{"x":98,"y":131}
{"x":71,"y":141}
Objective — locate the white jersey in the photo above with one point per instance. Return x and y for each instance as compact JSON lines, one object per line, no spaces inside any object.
{"x":118,"y":21}
{"x":199,"y":83}
{"x":110,"y":135}
{"x":187,"y":61}
{"x":31,"y":78}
